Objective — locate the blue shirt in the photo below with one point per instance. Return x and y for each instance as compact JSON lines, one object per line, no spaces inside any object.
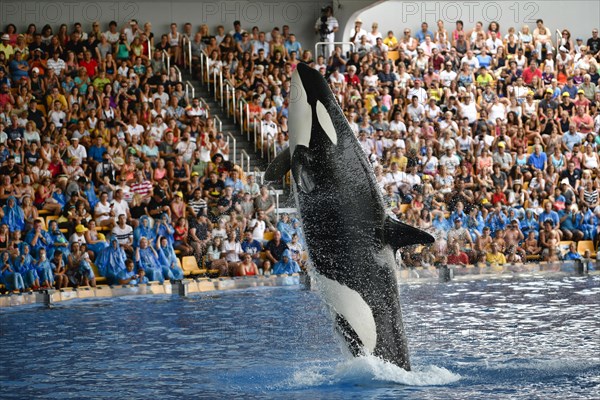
{"x":421,"y":36}
{"x":572,"y":256}
{"x":537,"y":161}
{"x":96,"y":153}
{"x":296,"y":46}
{"x":484,"y":61}
{"x":252,"y":247}
{"x":552,"y":215}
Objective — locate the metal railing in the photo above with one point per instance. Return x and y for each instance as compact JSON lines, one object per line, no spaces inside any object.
{"x":243,"y":106}
{"x":149,"y":44}
{"x":205,"y":70}
{"x":321,"y":44}
{"x":164,"y":55}
{"x":186,"y":43}
{"x":189,"y":88}
{"x":245,"y":161}
{"x":230,"y":139}
{"x":206,"y":106}
{"x":179,"y":78}
{"x":218,"y":123}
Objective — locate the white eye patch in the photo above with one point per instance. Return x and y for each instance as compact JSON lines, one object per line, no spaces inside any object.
{"x":326,"y":123}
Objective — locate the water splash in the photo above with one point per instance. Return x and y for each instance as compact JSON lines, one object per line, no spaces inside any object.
{"x":369,"y":370}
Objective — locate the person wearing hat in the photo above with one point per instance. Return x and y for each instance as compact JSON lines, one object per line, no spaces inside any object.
{"x":357,"y":32}
{"x":548,"y":102}
{"x":6,"y":47}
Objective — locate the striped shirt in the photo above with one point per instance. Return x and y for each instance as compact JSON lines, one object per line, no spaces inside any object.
{"x":143,"y":188}
{"x":124,"y":235}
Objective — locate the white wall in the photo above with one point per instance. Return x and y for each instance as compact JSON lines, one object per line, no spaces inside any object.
{"x":300,"y":15}
{"x":578,"y":16}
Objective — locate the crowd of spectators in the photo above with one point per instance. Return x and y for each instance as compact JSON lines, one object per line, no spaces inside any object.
{"x":108,"y":167}
{"x":487,"y":138}
{"x":466,"y":129}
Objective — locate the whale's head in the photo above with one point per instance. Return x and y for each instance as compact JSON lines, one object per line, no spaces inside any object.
{"x":315,"y":118}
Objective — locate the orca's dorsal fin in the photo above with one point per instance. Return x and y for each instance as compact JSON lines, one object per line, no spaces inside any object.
{"x":279,"y":166}
{"x":399,"y":234}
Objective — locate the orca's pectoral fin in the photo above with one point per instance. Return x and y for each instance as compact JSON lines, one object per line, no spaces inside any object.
{"x":354,"y":343}
{"x":279,"y":166}
{"x":302,"y":169}
{"x":399,"y":234}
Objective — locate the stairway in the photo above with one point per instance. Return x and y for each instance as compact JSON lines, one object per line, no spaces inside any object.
{"x":257,"y":163}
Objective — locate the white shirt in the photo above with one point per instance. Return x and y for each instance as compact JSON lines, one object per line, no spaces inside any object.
{"x":120,"y":207}
{"x":102,"y":208}
{"x":78,"y":152}
{"x":447,"y":77}
{"x":228,"y":246}
{"x":361,"y":33}
{"x":258,"y":229}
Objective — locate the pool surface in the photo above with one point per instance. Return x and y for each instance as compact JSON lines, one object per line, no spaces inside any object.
{"x":527,"y":338}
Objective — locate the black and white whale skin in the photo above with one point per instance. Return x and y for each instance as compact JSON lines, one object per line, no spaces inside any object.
{"x":351,"y":240}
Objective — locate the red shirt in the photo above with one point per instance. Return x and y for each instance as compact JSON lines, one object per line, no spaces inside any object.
{"x":90,"y":66}
{"x":457,"y":259}
{"x":355,"y":80}
{"x":528,"y":75}
{"x":499,"y":198}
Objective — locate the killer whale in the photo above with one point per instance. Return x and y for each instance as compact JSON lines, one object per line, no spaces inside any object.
{"x":350,"y":238}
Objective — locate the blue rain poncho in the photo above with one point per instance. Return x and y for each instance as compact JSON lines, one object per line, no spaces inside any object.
{"x":60,"y":197}
{"x":25,"y":265}
{"x":168,"y":260}
{"x":148,"y":261}
{"x":90,"y":194}
{"x":96,"y":248}
{"x":44,"y":270}
{"x":289,"y":267}
{"x":13,"y":215}
{"x":8,"y":276}
{"x":111,"y":261}
{"x":58,"y":242}
{"x":43,"y":241}
{"x":165,"y":229}
{"x":286,"y":229}
{"x":143,"y":230}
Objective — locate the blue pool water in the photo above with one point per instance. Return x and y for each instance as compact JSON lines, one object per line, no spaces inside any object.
{"x":528,"y":338}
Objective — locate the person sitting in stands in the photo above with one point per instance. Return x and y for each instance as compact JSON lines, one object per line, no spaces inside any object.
{"x":111,"y":261}
{"x":275,"y":248}
{"x":457,"y":257}
{"x":9,"y":276}
{"x":214,"y":259}
{"x":147,"y":259}
{"x":494,"y":256}
{"x":44,"y":270}
{"x":168,"y":259}
{"x":130,"y":277}
{"x":532,"y":247}
{"x":252,"y":247}
{"x":286,"y":265}
{"x":247,"y":267}
{"x":572,"y":254}
{"x":80,"y":271}
{"x":59,"y":270}
{"x":14,"y":216}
